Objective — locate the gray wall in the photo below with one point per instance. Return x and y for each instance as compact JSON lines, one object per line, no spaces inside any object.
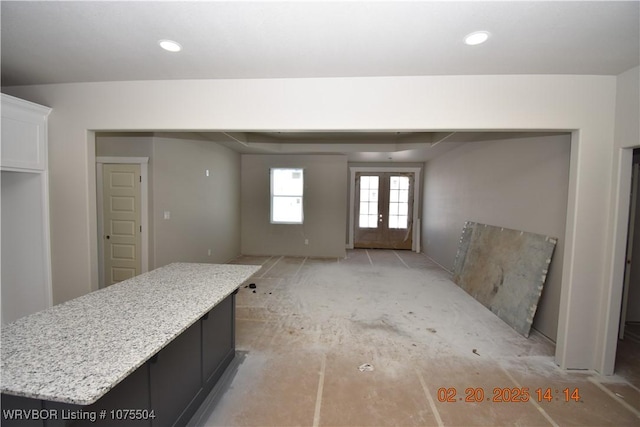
{"x":325,"y":207}
{"x":124,"y":144}
{"x":204,"y":211}
{"x":513,"y":183}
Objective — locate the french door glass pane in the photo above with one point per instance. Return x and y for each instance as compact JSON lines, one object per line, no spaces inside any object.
{"x":364,"y":208}
{"x":395,"y":182}
{"x":368,"y":202}
{"x":403,"y":209}
{"x":373,"y":182}
{"x":393,"y":209}
{"x":398,"y":202}
{"x":404,"y":182}
{"x":368,"y":221}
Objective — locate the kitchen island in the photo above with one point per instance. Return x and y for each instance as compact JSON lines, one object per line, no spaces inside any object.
{"x":154,"y":344}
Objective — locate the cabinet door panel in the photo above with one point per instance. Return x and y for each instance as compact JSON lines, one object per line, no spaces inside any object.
{"x":24,"y":134}
{"x":176,"y":377}
{"x":23,"y":147}
{"x":131,"y":393}
{"x":218,"y":340}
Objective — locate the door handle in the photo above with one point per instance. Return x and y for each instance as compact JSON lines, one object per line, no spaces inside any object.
{"x":108,"y":237}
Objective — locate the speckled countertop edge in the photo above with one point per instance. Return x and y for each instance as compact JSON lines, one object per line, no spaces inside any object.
{"x":75,"y":352}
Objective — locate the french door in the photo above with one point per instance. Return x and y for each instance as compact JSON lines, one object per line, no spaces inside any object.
{"x":384,"y":210}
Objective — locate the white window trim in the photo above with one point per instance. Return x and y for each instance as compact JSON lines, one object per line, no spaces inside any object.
{"x":415,"y":244}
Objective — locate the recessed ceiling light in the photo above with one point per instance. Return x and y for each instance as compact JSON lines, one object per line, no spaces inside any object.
{"x":170,"y":45}
{"x":476,"y":37}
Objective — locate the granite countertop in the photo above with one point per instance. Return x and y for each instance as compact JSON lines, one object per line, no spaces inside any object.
{"x":77,"y":351}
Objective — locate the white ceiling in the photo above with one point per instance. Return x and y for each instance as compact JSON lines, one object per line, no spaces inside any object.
{"x":63,"y":42}
{"x":86,"y":41}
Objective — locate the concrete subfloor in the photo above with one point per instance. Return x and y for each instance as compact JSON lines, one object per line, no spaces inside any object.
{"x":438,"y":356}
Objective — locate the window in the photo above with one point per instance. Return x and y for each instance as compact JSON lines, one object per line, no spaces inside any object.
{"x":287,"y":186}
{"x":368,"y":202}
{"x":398,"y":202}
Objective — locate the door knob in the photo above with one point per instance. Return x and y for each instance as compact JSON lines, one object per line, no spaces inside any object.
{"x":108,"y":237}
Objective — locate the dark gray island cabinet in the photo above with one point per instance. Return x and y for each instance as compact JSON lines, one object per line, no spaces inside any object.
{"x":168,"y":338}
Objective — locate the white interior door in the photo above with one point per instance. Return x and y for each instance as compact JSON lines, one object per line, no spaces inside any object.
{"x":121,"y":216}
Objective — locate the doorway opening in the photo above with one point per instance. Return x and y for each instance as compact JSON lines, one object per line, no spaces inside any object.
{"x":383,"y":208}
{"x":628,"y":348}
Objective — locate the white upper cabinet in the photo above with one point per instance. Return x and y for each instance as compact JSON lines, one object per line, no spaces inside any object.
{"x":24,"y":135}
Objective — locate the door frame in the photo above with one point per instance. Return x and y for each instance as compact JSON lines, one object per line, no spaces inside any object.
{"x":629,"y":257}
{"x":353,"y":170}
{"x":144,"y":209}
